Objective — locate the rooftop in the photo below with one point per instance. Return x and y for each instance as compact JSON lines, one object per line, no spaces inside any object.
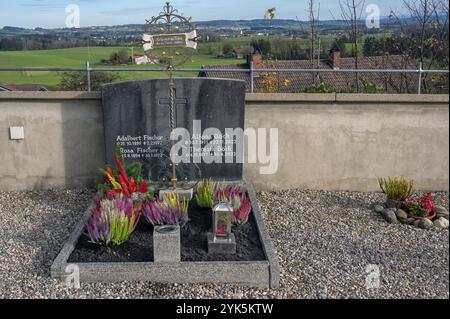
{"x":297,"y":82}
{"x":22,"y":87}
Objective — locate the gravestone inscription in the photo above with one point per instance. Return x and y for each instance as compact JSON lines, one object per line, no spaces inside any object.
{"x":136,"y":117}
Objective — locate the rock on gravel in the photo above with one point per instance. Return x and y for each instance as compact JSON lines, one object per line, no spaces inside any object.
{"x":425,"y":224}
{"x":441,"y":212}
{"x":326,"y":241}
{"x":389,"y":215}
{"x":441,"y":223}
{"x":378,"y":208}
{"x":401,"y":214}
{"x":409,"y":221}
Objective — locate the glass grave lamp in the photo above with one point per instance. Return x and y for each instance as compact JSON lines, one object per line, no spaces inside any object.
{"x":222,"y":221}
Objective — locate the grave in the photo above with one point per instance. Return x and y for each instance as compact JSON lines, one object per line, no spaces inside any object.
{"x":136,"y":116}
{"x":206,"y":120}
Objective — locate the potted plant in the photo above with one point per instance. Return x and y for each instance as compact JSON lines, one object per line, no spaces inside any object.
{"x":167,"y":217}
{"x":422,"y":208}
{"x":397,"y":190}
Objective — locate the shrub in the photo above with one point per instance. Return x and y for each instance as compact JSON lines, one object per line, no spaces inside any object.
{"x":369,"y":87}
{"x":159,"y":213}
{"x":322,"y":87}
{"x":397,"y":188}
{"x":77,"y":81}
{"x":204,"y":193}
{"x":113,"y":222}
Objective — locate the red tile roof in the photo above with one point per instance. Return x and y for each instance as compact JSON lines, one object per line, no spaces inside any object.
{"x":22,"y":87}
{"x":296,"y":82}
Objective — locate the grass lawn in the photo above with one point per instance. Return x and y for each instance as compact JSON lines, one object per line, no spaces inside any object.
{"x":76,"y":58}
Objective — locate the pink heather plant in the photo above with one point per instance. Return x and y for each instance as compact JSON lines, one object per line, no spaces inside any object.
{"x":240,"y":216}
{"x":159,"y":214}
{"x":227,"y":193}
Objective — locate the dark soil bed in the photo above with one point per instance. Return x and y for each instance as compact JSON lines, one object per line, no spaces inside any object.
{"x":139,"y":248}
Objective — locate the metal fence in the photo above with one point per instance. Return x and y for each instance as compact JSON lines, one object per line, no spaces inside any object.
{"x":88,"y":69}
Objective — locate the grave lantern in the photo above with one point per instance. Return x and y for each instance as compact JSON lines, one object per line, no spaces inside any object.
{"x":222,"y":221}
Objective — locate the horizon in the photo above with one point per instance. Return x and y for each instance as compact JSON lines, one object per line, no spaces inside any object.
{"x":51,"y":14}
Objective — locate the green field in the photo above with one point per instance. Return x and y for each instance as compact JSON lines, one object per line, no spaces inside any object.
{"x":76,"y":58}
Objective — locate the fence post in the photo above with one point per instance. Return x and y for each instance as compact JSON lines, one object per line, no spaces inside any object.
{"x":252,"y":88}
{"x":419,"y":85}
{"x":88,"y":71}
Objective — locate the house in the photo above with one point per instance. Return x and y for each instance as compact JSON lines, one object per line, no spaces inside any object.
{"x":22,"y":87}
{"x":298,"y":82}
{"x":144,"y":59}
{"x":238,"y":53}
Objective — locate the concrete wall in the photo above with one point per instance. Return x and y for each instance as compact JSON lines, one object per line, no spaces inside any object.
{"x":346,"y":142}
{"x":326,"y":141}
{"x":63,"y":143}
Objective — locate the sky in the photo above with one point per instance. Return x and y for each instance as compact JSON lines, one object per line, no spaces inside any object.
{"x":52,"y":13}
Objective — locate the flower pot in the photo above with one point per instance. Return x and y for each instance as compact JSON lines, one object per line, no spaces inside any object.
{"x":166,"y":244}
{"x":430,"y":217}
{"x":390,"y":203}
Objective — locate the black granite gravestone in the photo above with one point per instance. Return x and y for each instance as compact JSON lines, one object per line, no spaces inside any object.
{"x":136,"y":116}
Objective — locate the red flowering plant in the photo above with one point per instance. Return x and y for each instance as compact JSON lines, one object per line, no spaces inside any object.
{"x":422,"y":207}
{"x":126,"y":180}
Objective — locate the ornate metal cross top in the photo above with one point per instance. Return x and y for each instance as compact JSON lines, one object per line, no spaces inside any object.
{"x":171,"y":38}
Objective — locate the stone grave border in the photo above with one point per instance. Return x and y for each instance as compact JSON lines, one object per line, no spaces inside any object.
{"x":261,"y":274}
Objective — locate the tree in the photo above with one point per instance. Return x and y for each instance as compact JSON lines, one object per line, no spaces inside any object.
{"x":114,"y":58}
{"x":227,"y":49}
{"x":124,"y":57}
{"x":77,"y":81}
{"x":263,"y":46}
{"x":340,"y":43}
{"x":351,"y":12}
{"x":120,"y":57}
{"x":313,"y":20}
{"x":270,"y":15}
{"x":425,"y":35}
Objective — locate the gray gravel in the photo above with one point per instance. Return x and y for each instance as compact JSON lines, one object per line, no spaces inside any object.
{"x":325,"y":241}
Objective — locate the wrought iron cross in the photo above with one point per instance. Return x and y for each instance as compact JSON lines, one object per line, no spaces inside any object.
{"x":176,"y":102}
{"x":176,"y":35}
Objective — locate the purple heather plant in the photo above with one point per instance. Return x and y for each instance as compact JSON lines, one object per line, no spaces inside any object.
{"x":113,"y":222}
{"x":159,"y":214}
